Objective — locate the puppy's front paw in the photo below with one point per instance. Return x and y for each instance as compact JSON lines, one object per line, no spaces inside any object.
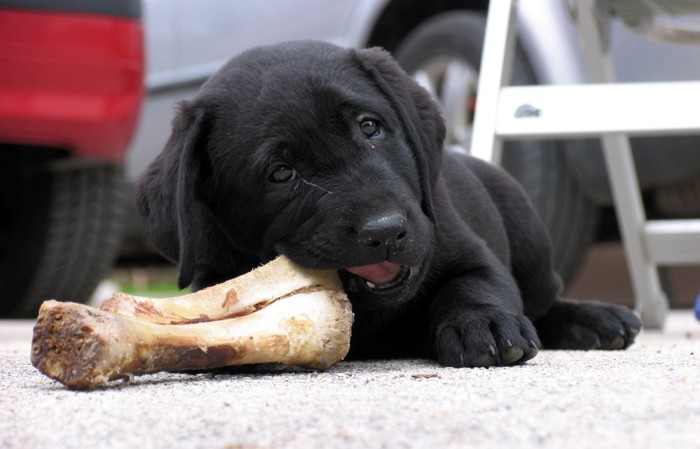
{"x":485,"y":336}
{"x":588,"y":325}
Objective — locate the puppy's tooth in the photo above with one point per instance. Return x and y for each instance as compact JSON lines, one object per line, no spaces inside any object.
{"x":370,"y":284}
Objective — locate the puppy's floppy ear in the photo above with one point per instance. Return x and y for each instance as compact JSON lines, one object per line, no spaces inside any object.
{"x":420,"y":115}
{"x":168,"y":193}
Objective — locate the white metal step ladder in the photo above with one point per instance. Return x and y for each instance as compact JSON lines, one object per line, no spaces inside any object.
{"x":560,"y":111}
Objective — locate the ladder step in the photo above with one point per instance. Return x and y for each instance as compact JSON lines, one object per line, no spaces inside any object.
{"x":592,"y":109}
{"x":673,"y":242}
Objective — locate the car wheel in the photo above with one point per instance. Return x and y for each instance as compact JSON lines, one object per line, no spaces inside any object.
{"x":444,"y":54}
{"x":61,"y":229}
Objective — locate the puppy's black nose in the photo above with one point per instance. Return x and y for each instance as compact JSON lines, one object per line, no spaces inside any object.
{"x":385,"y":230}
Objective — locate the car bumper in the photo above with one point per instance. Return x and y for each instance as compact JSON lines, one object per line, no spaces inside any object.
{"x":70,"y":80}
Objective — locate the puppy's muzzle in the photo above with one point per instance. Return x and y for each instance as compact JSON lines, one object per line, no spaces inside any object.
{"x":380,"y":239}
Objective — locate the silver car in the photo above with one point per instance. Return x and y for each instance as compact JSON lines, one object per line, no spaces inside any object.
{"x":440,"y":43}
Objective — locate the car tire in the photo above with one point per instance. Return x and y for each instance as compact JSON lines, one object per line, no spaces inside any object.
{"x":62,"y":232}
{"x":540,"y":166}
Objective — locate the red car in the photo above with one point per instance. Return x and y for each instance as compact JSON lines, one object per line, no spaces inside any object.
{"x":71,"y":87}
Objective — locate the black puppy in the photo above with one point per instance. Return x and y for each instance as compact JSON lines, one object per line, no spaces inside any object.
{"x":333,"y":157}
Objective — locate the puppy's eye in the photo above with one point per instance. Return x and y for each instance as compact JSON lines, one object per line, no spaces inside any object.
{"x":283,"y":173}
{"x":369,"y":127}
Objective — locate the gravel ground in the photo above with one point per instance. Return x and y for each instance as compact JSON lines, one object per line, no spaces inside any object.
{"x":645,"y":397}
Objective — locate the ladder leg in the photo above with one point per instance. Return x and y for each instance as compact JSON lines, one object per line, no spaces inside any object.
{"x":650,"y":301}
{"x":494,"y":73}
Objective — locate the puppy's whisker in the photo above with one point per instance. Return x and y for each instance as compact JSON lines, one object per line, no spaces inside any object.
{"x":317,"y":186}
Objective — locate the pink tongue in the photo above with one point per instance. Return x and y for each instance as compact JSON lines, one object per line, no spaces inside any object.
{"x":378,"y":273}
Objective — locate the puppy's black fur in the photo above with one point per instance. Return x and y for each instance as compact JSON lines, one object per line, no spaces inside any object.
{"x":334,"y":158}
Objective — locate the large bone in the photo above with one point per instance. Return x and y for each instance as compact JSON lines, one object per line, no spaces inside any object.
{"x":279,"y":313}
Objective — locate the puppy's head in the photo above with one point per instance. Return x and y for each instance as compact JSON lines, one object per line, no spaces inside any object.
{"x":324,"y":154}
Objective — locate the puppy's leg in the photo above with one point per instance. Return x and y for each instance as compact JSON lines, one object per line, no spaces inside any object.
{"x":587,"y":325}
{"x":476,"y":320}
{"x":560,"y":323}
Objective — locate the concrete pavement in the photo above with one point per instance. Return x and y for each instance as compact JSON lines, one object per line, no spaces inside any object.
{"x":646,"y":397}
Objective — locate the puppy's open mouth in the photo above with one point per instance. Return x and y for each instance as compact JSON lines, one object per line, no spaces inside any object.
{"x":381,"y":276}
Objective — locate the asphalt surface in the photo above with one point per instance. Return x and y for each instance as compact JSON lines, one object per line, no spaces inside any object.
{"x":645,"y":397}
